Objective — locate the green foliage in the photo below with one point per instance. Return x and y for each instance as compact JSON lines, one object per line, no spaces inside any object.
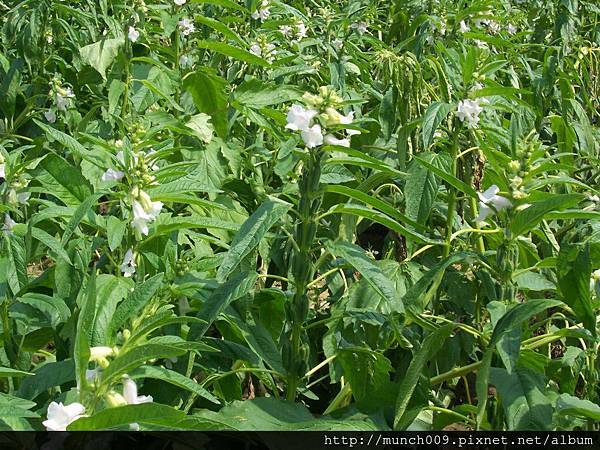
{"x":291,"y":215}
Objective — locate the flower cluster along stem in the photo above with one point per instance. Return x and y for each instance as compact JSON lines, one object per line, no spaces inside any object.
{"x":295,"y":350}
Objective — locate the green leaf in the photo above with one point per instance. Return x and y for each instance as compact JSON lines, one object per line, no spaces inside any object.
{"x":135,"y":357}
{"x":100,"y":55}
{"x":368,"y":374}
{"x":207,"y":90}
{"x":429,"y":348}
{"x":376,"y":216}
{"x":250,"y":234}
{"x":110,"y":290}
{"x":123,"y":416}
{"x":357,"y":258}
{"x":574,"y":271}
{"x":14,"y":373}
{"x":47,"y":376}
{"x":233,"y":52}
{"x":115,"y":230}
{"x":568,"y":405}
{"x":133,"y":305}
{"x":514,"y":317}
{"x":461,"y":186}
{"x":68,"y":142}
{"x":79,"y":214}
{"x":51,"y":242}
{"x":85,"y":323}
{"x":62,"y":180}
{"x":201,"y":127}
{"x":174,"y":378}
{"x":525,"y":404}
{"x":16,"y":275}
{"x":525,"y":219}
{"x":421,"y":187}
{"x":259,"y":94}
{"x":222,"y":296}
{"x":433,"y":117}
{"x":54,"y":308}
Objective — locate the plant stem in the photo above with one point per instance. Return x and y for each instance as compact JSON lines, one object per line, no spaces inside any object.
{"x":453,"y":193}
{"x":294,"y":352}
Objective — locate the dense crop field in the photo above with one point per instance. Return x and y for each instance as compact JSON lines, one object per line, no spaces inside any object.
{"x":299,"y":215}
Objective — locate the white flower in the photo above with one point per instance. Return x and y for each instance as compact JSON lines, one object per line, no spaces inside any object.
{"x":133,"y":34}
{"x":286,"y":30}
{"x":463,"y":27}
{"x":493,"y":26}
{"x":469,"y":110}
{"x":263,"y":12}
{"x":337,"y":43}
{"x":100,"y":353}
{"x":62,"y":98}
{"x":335,"y":118}
{"x":130,"y":393}
{"x":490,"y":202}
{"x":481,"y":44}
{"x":351,"y":132}
{"x":255,"y":49}
{"x":442,"y":27}
{"x":2,"y":170}
{"x":61,"y":416}
{"x":50,"y":116}
{"x":187,"y":26}
{"x":511,"y":29}
{"x":92,"y":374}
{"x":299,"y":119}
{"x":361,"y":27}
{"x":179,"y":2}
{"x":595,"y":282}
{"x":112,"y":175}
{"x":312,"y":136}
{"x":185,"y":61}
{"x":8,"y":224}
{"x":300,"y":31}
{"x":23,"y":197}
{"x":128,"y":266}
{"x":330,"y":139}
{"x":144,"y":211}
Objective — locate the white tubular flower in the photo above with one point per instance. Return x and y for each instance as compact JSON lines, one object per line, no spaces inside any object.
{"x":469,"y":110}
{"x":2,"y":170}
{"x":185,"y":61}
{"x":128,"y":266}
{"x":330,"y":139}
{"x":511,"y":29}
{"x":490,"y":202}
{"x":144,"y":211}
{"x":361,"y":27}
{"x":61,"y":416}
{"x":62,"y":98}
{"x":299,"y":119}
{"x":130,"y":393}
{"x":337,"y":43}
{"x":23,"y":197}
{"x":112,"y":175}
{"x":286,"y":30}
{"x":463,"y":27}
{"x":186,"y":26}
{"x":312,"y":136}
{"x":256,"y":50}
{"x":98,"y":354}
{"x":350,"y":132}
{"x":8,"y":224}
{"x":481,"y":44}
{"x":335,"y":118}
{"x":50,"y":116}
{"x":179,"y":2}
{"x":263,"y":12}
{"x":300,"y":31}
{"x":133,"y":34}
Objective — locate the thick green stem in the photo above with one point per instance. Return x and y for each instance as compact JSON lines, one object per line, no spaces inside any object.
{"x":453,"y":193}
{"x":295,"y":352}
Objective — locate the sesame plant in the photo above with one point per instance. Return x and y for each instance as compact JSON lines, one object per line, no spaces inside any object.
{"x":289,"y":215}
